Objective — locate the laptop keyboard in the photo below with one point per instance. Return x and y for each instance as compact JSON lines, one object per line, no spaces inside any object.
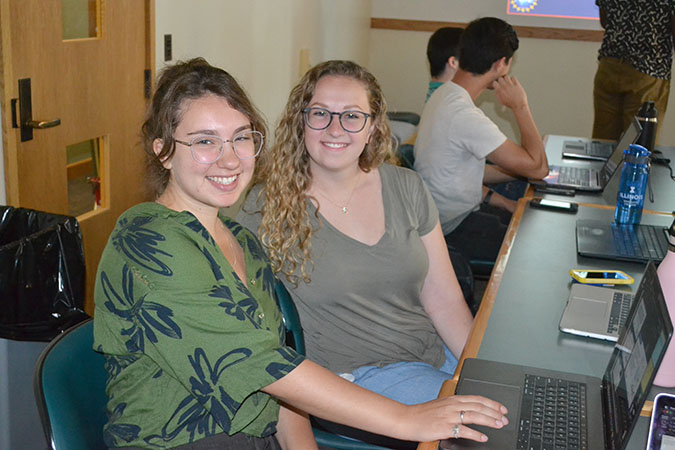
{"x":578,"y":176}
{"x":620,"y":308}
{"x":639,"y":241}
{"x":553,"y":415}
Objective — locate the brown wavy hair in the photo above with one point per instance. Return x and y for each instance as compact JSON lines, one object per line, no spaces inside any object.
{"x":285,"y":174}
{"x":177,"y":83}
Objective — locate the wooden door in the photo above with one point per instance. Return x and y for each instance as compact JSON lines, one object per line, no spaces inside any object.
{"x":96,"y":87}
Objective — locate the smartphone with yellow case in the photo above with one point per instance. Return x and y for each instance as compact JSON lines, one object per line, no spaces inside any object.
{"x":602,"y":276}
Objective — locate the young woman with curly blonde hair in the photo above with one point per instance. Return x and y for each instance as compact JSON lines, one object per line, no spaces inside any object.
{"x":357,"y":241}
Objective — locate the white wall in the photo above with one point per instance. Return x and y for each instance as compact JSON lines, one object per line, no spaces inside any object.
{"x":557,"y":75}
{"x":260,"y":41}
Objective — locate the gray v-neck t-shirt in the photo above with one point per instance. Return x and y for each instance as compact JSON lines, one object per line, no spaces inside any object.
{"x":362,"y":306}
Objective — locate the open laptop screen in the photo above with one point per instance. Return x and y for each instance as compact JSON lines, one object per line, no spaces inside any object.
{"x":636,"y":356}
{"x":629,"y":137}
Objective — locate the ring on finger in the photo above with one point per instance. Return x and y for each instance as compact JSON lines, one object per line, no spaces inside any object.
{"x":461,"y":417}
{"x":455,"y":431}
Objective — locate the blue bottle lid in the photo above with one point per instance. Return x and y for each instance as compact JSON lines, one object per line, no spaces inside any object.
{"x":636,"y":154}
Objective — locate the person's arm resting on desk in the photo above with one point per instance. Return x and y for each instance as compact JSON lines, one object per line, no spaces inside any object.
{"x":493,"y":174}
{"x":529,"y":159}
{"x":318,"y":391}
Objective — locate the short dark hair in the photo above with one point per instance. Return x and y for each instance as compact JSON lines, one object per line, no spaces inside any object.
{"x":443,"y":44}
{"x":183,"y":81}
{"x":484,"y":42}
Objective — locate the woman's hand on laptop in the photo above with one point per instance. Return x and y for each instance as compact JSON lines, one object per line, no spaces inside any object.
{"x":449,"y":417}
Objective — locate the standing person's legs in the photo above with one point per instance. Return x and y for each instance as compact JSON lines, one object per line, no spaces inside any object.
{"x":662,"y":104}
{"x":642,"y":88}
{"x":608,"y":100}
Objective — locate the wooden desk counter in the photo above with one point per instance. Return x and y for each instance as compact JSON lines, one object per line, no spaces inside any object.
{"x":527,"y":293}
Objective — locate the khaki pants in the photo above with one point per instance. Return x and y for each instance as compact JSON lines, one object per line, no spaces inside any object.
{"x":618,"y":92}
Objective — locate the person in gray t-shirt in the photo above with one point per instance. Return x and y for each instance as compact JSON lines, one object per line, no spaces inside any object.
{"x":358,"y":242}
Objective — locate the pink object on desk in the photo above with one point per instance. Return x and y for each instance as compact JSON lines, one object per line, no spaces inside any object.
{"x":665,"y":377}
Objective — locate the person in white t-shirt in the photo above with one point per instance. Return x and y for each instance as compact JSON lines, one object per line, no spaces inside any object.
{"x":455,"y":139}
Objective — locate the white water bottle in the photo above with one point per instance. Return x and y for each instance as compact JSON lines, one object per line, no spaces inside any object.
{"x":665,"y":377}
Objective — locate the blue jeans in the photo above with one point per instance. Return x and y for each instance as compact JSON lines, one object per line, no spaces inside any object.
{"x":407,"y":382}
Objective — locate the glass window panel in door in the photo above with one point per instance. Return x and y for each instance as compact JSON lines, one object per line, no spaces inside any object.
{"x":80,"y":19}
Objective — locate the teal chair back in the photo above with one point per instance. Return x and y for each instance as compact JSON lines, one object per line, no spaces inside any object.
{"x":406,"y":154}
{"x":69,"y":385}
{"x":294,"y":335}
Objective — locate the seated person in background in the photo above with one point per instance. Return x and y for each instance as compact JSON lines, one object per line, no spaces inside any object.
{"x":443,"y":56}
{"x":635,"y":61}
{"x":357,"y":240}
{"x":455,"y":138}
{"x":185,"y":312}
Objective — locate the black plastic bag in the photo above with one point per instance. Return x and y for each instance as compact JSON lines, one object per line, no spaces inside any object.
{"x":41,"y":274}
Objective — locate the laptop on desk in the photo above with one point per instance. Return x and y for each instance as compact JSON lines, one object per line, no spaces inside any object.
{"x":598,"y":150}
{"x":637,"y":243}
{"x":590,"y":150}
{"x":597,"y":312}
{"x":592,"y":413}
{"x":590,"y":179}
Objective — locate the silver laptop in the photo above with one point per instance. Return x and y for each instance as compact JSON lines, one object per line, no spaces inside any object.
{"x":590,"y":150}
{"x":587,"y":178}
{"x":596,"y":312}
{"x":590,"y":413}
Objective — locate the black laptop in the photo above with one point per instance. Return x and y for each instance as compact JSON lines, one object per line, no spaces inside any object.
{"x":638,"y":243}
{"x":551,"y":409}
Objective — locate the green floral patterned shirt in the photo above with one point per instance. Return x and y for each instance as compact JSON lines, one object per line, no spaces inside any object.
{"x":188,"y":346}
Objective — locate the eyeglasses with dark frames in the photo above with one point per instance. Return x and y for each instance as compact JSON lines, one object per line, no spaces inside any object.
{"x":207,"y":149}
{"x":351,"y":121}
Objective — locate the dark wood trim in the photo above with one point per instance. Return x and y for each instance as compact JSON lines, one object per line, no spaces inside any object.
{"x":523,"y":32}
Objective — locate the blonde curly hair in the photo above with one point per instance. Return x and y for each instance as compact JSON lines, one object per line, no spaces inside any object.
{"x":285,"y":174}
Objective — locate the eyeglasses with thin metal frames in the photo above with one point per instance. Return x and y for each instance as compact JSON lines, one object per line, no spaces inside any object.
{"x":255,"y":136}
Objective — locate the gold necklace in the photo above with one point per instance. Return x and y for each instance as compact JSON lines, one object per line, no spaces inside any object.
{"x":343,"y":208}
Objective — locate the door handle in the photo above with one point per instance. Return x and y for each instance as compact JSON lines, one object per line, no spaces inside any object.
{"x":26,"y":122}
{"x":42,"y":124}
